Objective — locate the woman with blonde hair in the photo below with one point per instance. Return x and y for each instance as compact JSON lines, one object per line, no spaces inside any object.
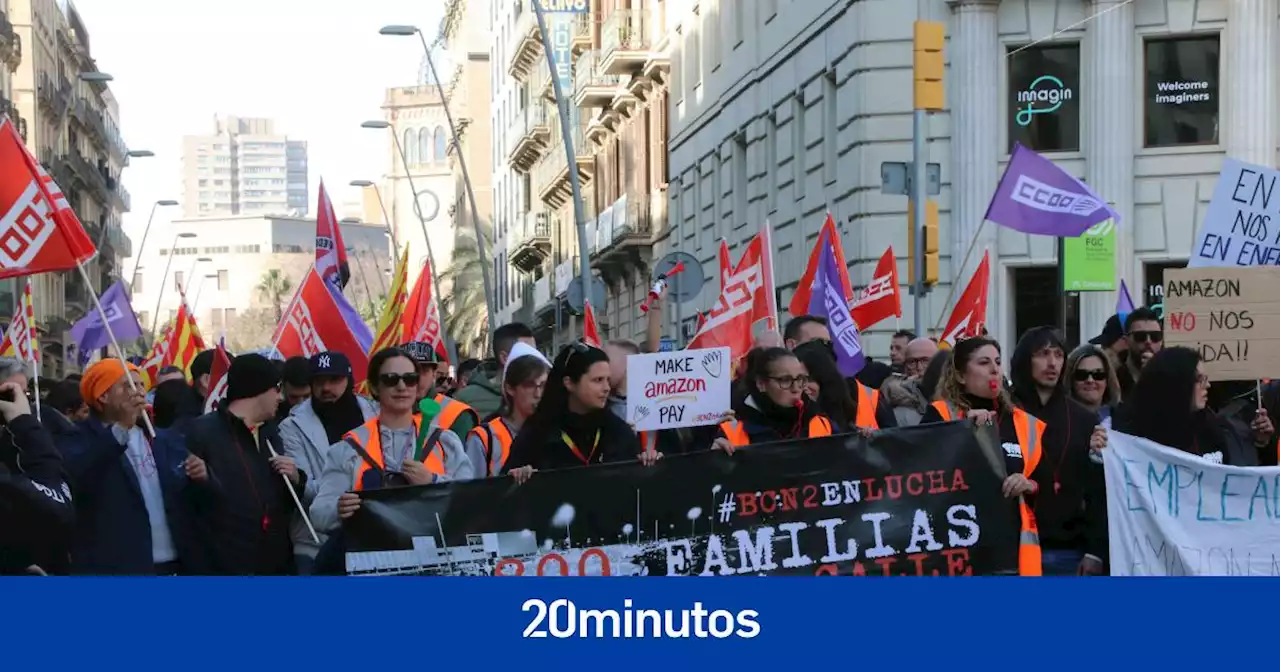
{"x":1092,"y":381}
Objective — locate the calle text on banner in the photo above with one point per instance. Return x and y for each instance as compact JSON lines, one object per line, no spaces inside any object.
{"x":684,"y":388}
{"x":905,"y":502}
{"x":1230,"y":315}
{"x":1171,"y":513}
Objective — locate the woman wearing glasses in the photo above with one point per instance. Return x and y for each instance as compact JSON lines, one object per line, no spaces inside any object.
{"x":774,"y":407}
{"x":382,"y":453}
{"x":572,"y":426}
{"x":523,"y":382}
{"x":1092,"y":381}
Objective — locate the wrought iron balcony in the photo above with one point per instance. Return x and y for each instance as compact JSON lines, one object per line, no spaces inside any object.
{"x":532,"y":135}
{"x":89,"y":174}
{"x":526,"y":43}
{"x":82,"y":110}
{"x":624,"y":232}
{"x":551,"y":174}
{"x":531,"y":242}
{"x":584,"y":28}
{"x":625,"y":41}
{"x":592,"y":86}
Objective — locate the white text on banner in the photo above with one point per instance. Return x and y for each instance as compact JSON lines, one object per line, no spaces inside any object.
{"x":1172,"y":513}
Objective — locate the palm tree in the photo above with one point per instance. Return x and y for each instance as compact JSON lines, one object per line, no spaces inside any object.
{"x":466,"y":316}
{"x":274,"y":288}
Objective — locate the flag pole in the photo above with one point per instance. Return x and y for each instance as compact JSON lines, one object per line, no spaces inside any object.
{"x":33,"y":346}
{"x":773,"y":281}
{"x":955,"y":280}
{"x":106,"y":324}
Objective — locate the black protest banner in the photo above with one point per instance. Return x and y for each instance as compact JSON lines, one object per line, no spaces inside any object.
{"x":907,"y":502}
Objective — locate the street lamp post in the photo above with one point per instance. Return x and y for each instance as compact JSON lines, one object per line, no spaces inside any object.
{"x":462,"y":164}
{"x":431,"y":257}
{"x":383,"y":206}
{"x":192,"y":271}
{"x":155,"y":321}
{"x":200,"y":289}
{"x":143,"y":245}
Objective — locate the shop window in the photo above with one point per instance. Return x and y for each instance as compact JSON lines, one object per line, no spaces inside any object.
{"x":1043,"y":104}
{"x":1181,"y":91}
{"x":1037,"y":302}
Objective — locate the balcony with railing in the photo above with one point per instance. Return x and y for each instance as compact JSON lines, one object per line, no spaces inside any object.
{"x":75,"y":294}
{"x":126,"y":201}
{"x":88,"y":173}
{"x":526,"y":43}
{"x":82,"y":110}
{"x":531,"y":241}
{"x":624,"y":238}
{"x":593,"y":87}
{"x":532,"y":135}
{"x":551,"y":174}
{"x":625,"y":41}
{"x":584,"y":26}
{"x":542,"y":297}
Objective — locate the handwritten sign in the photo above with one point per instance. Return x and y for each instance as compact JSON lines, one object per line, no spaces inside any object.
{"x":1231,"y":316}
{"x":685,"y":388}
{"x":1171,"y":513}
{"x":1242,"y":225}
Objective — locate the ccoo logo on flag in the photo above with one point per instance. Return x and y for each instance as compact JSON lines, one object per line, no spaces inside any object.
{"x":25,"y":228}
{"x":1036,"y":194}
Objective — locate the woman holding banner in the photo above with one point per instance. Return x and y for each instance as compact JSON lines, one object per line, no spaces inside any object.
{"x":972,"y":387}
{"x":572,"y":426}
{"x":774,"y":406}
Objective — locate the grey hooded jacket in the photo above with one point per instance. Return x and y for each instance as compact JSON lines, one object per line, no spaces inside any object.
{"x":308,"y":444}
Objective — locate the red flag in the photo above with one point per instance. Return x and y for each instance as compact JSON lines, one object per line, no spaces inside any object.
{"x":218,"y":377}
{"x":313,"y":323}
{"x":882,"y":298}
{"x":970,"y":314}
{"x":38,"y":230}
{"x":590,"y":332}
{"x":743,"y":301}
{"x":828,"y":237}
{"x":726,"y":264}
{"x":421,"y":321}
{"x":331,"y":252}
{"x":159,"y":352}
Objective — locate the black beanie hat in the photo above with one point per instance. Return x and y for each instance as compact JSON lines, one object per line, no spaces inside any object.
{"x":249,"y":376}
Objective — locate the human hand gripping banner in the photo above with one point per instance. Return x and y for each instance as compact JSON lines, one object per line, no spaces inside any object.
{"x":905,"y":502}
{"x":1171,"y":513}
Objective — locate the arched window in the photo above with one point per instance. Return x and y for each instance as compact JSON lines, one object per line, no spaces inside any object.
{"x":424,"y":146}
{"x":440,"y":144}
{"x":410,"y":146}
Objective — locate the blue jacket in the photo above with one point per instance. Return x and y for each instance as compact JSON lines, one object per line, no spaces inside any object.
{"x":113,"y":532}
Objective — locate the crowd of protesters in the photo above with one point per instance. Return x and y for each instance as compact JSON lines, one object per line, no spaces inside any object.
{"x":115,"y":478}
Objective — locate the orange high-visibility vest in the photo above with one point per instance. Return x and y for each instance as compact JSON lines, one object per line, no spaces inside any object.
{"x":497,"y":440}
{"x":368,"y":437}
{"x":1030,"y":431}
{"x":868,"y":402}
{"x":450,"y":410}
{"x":736,"y":432}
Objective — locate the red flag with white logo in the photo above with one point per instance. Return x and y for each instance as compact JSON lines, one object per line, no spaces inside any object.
{"x":744,"y":300}
{"x":970,"y":314}
{"x":331,"y":252}
{"x":421,"y":321}
{"x":590,"y":330}
{"x":38,"y":230}
{"x":218,"y":377}
{"x":882,"y":298}
{"x":313,"y":323}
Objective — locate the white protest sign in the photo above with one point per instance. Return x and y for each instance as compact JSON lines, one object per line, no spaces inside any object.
{"x":685,"y":388}
{"x":1242,"y":225}
{"x":1172,"y":513}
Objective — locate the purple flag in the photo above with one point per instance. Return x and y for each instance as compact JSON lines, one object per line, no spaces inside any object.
{"x":1124,"y":303}
{"x":89,"y":334}
{"x":1036,"y":196}
{"x":828,"y":301}
{"x":359,"y":330}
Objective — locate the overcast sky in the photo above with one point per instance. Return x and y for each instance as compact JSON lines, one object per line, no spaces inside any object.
{"x":318,"y":67}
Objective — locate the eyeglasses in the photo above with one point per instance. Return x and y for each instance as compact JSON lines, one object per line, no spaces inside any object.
{"x":1144,"y":336}
{"x":390,"y":379}
{"x":1082,"y":375}
{"x":1202,"y":380}
{"x":790,"y":382}
{"x":917,"y":361}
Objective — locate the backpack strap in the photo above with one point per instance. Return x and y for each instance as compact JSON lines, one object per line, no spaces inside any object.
{"x":488,"y":448}
{"x":364,"y":455}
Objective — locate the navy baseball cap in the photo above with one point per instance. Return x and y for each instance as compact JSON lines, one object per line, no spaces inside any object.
{"x":421,"y":353}
{"x":331,"y":363}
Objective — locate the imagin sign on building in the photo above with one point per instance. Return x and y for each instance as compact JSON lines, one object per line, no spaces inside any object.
{"x":1044,"y":106}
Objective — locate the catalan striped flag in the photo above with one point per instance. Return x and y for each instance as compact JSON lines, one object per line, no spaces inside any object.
{"x":159,"y":352}
{"x":390,"y":327}
{"x":184,"y":339}
{"x":20,"y":339}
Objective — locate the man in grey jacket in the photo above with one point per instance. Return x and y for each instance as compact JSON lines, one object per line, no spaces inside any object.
{"x":313,"y":426}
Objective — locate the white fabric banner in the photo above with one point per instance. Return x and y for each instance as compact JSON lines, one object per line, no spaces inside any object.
{"x":1172,"y":513}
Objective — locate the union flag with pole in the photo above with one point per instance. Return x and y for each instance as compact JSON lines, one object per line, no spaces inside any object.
{"x":320,"y":319}
{"x":422,"y":315}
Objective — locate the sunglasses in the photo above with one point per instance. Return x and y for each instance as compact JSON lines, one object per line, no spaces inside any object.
{"x":576,"y":348}
{"x":1144,"y":336}
{"x":390,"y":379}
{"x":1082,"y":375}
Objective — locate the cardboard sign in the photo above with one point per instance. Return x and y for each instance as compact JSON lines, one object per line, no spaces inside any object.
{"x":1242,"y":225}
{"x":1231,"y":316}
{"x":685,"y":388}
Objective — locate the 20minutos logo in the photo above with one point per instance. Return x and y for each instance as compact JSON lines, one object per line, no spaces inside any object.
{"x":563,"y":619}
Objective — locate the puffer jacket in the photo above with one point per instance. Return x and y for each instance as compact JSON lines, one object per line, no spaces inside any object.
{"x":904,"y":396}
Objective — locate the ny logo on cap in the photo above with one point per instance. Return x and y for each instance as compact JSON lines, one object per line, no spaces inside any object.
{"x":324,"y":361}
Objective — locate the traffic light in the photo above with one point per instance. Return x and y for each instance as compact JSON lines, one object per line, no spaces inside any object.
{"x":928,"y":65}
{"x":930,"y":242}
